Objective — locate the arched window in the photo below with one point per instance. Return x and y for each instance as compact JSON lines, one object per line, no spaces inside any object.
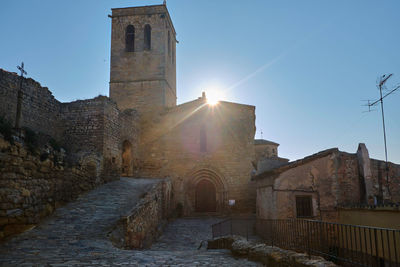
{"x":130,"y":38}
{"x":203,"y":139}
{"x":169,"y":44}
{"x":147,"y":37}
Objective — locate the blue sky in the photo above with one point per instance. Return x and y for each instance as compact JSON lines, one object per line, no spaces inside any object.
{"x":305,"y":65}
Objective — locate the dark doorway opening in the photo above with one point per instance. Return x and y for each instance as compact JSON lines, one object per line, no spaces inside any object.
{"x":127,"y":163}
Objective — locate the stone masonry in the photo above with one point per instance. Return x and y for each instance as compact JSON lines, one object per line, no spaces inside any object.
{"x":34,"y":183}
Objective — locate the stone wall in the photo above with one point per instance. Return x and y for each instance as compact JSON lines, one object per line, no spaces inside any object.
{"x":97,"y":126}
{"x":83,"y":127}
{"x":40,"y":110}
{"x":145,"y":222}
{"x":33,"y":184}
{"x":83,"y":121}
{"x":170,"y":147}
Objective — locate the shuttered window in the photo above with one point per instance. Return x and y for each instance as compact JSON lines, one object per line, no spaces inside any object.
{"x":304,"y":206}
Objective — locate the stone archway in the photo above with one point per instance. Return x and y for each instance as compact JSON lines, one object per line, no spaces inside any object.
{"x":127,"y":160}
{"x":205,"y":197}
{"x":205,"y":191}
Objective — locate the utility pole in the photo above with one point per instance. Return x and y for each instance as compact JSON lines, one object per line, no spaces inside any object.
{"x":19,"y":100}
{"x":381,"y":85}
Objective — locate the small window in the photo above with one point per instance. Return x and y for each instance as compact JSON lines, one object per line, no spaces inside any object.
{"x":304,"y":206}
{"x":130,"y":38}
{"x":173,"y":55}
{"x":203,"y":139}
{"x":147,"y":37}
{"x":169,"y":44}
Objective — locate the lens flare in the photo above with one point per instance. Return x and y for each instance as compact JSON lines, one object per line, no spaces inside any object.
{"x":213,"y":96}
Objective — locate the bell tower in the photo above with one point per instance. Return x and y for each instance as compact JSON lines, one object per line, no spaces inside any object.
{"x":143,"y":58}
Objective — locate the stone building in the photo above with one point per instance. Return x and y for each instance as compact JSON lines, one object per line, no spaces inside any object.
{"x":208,"y":151}
{"x":266,"y":156}
{"x":321,"y":185}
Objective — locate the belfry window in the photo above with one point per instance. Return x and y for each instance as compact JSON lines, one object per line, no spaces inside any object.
{"x":147,"y":37}
{"x":203,"y":139}
{"x":130,"y":38}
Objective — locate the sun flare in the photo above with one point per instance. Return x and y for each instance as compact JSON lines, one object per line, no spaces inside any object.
{"x":213,"y":96}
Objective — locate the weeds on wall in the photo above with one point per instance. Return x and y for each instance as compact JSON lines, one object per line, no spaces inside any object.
{"x":6,"y":130}
{"x":55,"y":145}
{"x":31,"y":140}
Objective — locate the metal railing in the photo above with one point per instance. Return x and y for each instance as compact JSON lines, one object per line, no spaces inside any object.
{"x":344,"y":244}
{"x":242,"y":227}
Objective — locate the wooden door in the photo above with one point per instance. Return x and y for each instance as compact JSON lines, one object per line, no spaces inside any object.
{"x":205,"y":196}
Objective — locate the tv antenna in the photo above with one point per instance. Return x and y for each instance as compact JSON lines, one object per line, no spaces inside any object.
{"x":381,"y":86}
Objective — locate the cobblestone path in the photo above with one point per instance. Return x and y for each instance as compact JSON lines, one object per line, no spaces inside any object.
{"x":75,"y":235}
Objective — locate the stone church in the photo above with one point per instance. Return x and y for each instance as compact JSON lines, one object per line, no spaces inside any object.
{"x":208,"y":151}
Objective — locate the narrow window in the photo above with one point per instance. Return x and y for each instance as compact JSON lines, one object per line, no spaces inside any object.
{"x":169,"y":44}
{"x":203,"y":139}
{"x":304,"y":206}
{"x":147,"y":37}
{"x":173,"y":54}
{"x":130,"y":38}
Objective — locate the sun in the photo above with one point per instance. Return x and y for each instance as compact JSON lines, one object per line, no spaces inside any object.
{"x":212,"y":101}
{"x":213,"y":96}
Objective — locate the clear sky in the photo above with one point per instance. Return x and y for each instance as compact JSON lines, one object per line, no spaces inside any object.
{"x":305,"y":65}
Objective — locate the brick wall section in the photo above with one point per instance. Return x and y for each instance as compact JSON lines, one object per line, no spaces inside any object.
{"x":40,"y":110}
{"x":31,"y":188}
{"x":144,"y":223}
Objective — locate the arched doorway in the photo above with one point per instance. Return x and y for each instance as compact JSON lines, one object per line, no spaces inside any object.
{"x":206,"y":200}
{"x":127,"y":163}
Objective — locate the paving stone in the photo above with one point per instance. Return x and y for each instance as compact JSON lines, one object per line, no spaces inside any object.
{"x":76,"y":235}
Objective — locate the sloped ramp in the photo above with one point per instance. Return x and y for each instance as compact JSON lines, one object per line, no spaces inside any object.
{"x":76,"y":235}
